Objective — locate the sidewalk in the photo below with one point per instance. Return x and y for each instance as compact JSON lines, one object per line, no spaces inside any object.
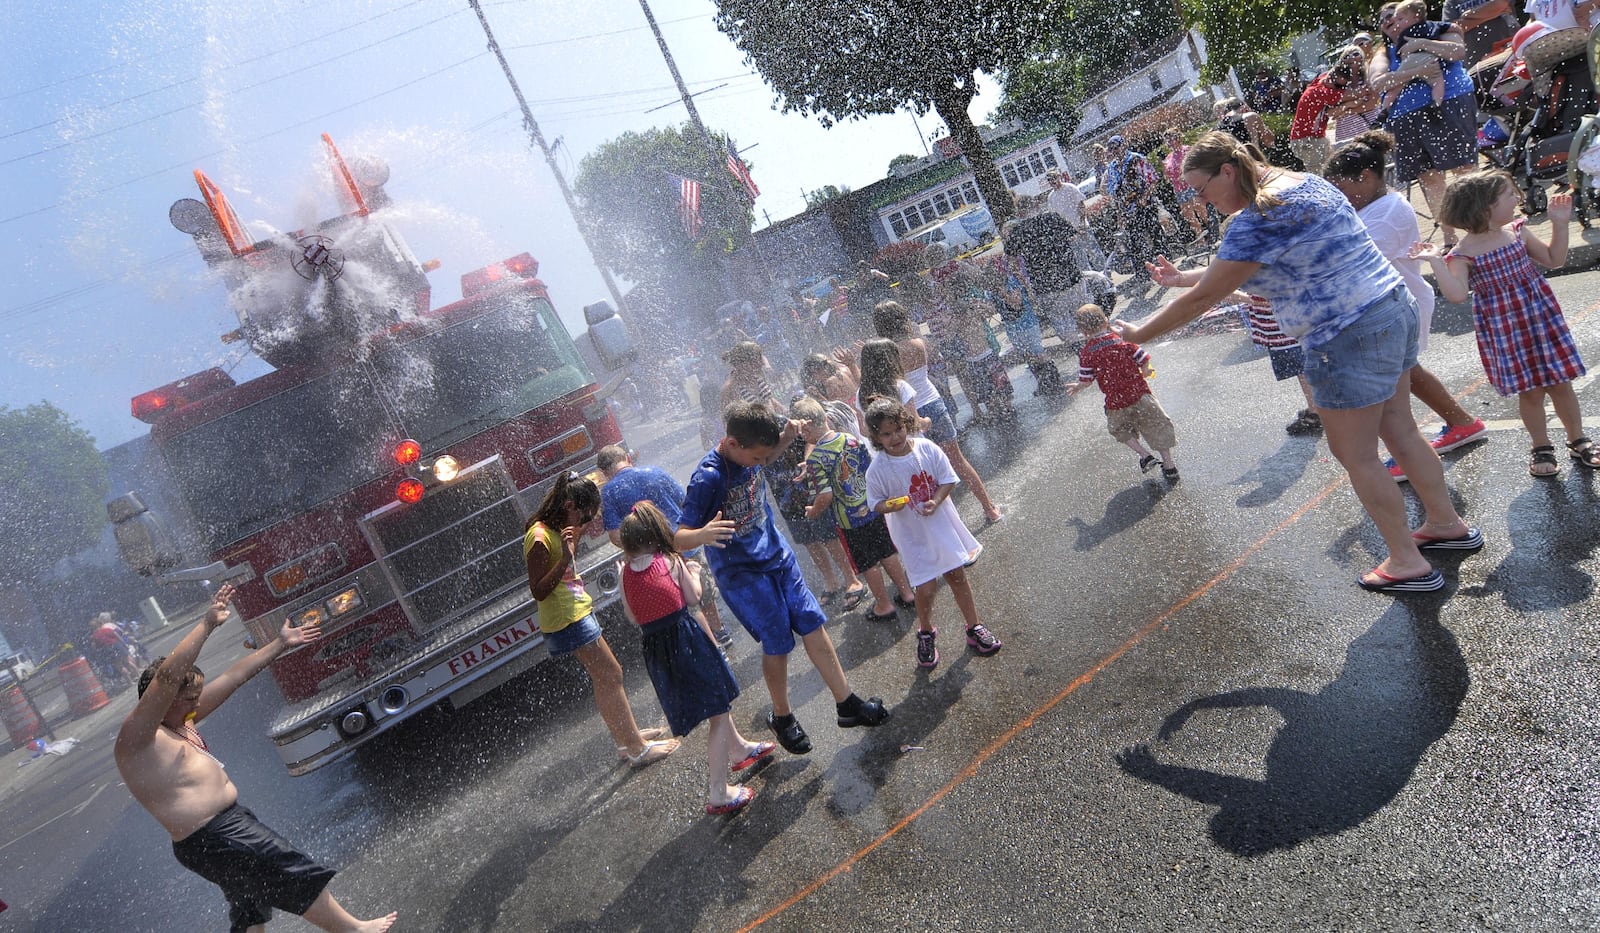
{"x":20,"y":770}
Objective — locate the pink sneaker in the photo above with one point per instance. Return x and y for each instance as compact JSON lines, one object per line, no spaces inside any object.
{"x":1450,"y":438}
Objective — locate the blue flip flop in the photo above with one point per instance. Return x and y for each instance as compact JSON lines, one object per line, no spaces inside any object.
{"x":1471,"y":541}
{"x":1426,"y":583}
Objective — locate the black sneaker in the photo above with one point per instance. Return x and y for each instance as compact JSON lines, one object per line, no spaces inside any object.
{"x":982,"y":640}
{"x":855,"y":711}
{"x":790,"y":735}
{"x":927,"y":651}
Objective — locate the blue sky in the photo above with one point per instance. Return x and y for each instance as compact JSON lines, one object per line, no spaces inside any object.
{"x":106,"y":110}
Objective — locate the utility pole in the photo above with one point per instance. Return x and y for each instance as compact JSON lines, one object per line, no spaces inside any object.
{"x":717,"y":156}
{"x":550,"y":159}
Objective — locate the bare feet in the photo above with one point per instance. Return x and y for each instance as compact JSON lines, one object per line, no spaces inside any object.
{"x":652,"y":752}
{"x":376,"y":926}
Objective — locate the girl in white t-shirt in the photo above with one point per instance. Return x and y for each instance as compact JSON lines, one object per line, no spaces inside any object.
{"x":910,"y":484}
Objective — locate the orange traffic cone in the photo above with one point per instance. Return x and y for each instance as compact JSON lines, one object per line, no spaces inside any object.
{"x":21,"y":723}
{"x":84,"y":693}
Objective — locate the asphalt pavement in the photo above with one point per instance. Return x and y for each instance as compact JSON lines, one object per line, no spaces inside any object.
{"x":1198,"y":722}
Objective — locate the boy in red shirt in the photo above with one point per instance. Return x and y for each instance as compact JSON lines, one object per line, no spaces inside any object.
{"x":1308,"y":134}
{"x":1131,"y":411}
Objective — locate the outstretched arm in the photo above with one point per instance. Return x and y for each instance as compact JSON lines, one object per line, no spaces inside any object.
{"x":1218,"y":281}
{"x":1552,"y":255}
{"x":139,"y":729}
{"x":218,"y":689}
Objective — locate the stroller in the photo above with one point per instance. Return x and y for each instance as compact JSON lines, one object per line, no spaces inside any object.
{"x":1540,"y":99}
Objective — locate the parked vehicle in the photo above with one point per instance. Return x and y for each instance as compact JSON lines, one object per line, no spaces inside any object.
{"x":966,"y":229}
{"x":378,"y":481}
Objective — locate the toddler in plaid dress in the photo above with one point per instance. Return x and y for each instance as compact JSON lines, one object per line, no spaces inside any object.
{"x":1523,"y":340}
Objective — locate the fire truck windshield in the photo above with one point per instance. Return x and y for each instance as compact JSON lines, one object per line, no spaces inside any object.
{"x":273,"y":459}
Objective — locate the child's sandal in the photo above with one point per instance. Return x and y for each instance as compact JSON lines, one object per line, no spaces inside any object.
{"x":1585,"y":452}
{"x":1542,"y":461}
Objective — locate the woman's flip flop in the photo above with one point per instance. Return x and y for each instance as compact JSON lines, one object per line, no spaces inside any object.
{"x":1426,"y":583}
{"x":1471,"y":541}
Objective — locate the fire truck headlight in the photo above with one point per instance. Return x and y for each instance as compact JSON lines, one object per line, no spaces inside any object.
{"x":445,"y":468}
{"x":313,"y":616}
{"x":344,"y":601}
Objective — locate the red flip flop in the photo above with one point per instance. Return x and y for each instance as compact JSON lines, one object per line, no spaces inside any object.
{"x":739,"y":801}
{"x":762,"y":753}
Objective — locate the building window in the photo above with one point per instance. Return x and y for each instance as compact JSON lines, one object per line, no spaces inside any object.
{"x":954,"y":194}
{"x":1155,"y":80}
{"x":971,"y":191}
{"x":1010,"y":175}
{"x":897,"y":223}
{"x":912,"y":219}
{"x":941,"y":205}
{"x":1035,"y":163}
{"x":1105,"y":112}
{"x":928,"y":216}
{"x":1023,"y":172}
{"x":1049,"y":156}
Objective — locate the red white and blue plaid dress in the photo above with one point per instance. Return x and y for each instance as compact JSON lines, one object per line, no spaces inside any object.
{"x":1523,"y":338}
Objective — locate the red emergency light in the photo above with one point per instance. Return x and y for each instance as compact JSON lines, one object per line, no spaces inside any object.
{"x":157,"y":403}
{"x":522,"y":265}
{"x":409,"y":491}
{"x":407,"y":452}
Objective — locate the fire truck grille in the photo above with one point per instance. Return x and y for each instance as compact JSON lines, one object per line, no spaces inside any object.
{"x":454,"y":550}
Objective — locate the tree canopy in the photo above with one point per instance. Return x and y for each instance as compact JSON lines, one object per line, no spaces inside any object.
{"x":53,"y":486}
{"x":825,"y":194}
{"x":848,"y":59}
{"x":901,"y":159}
{"x":628,"y":191}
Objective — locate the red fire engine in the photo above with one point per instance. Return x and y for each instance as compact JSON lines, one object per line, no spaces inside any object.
{"x":378,"y":480}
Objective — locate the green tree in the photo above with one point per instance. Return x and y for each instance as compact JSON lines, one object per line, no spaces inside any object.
{"x":901,"y":159}
{"x":825,"y":194}
{"x":1090,"y":47}
{"x":849,"y":59}
{"x":628,"y":191}
{"x":1237,"y":31}
{"x":53,"y":486}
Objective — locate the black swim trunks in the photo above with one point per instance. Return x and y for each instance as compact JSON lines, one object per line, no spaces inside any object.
{"x":256,"y":868}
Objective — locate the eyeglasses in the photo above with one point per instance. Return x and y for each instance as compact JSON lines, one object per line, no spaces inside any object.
{"x":1201,"y":191}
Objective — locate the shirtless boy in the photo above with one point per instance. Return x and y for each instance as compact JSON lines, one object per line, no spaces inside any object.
{"x":169,"y":770}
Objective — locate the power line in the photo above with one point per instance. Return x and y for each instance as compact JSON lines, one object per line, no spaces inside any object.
{"x":230,"y":93}
{"x":190,"y":44}
{"x":217,"y":152}
{"x":597,"y":35}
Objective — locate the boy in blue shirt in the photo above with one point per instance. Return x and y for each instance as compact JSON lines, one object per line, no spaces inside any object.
{"x":626,"y":486}
{"x":726,"y":508}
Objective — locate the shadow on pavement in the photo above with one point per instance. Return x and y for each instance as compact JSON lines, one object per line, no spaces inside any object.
{"x":1342,"y":753}
{"x":1547,"y":547}
{"x":1278,"y":472}
{"x":1123,"y":511}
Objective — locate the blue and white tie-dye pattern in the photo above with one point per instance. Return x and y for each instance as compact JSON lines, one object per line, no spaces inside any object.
{"x":1319,"y":268}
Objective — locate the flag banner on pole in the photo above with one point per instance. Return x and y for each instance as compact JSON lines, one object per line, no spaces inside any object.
{"x":688,"y":205}
{"x":740,"y":171}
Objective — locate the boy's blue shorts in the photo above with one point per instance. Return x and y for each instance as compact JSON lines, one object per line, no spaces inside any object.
{"x":773,"y":607}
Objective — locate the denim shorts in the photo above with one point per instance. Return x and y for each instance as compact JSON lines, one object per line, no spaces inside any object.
{"x":1361,"y":366}
{"x":943,"y":428}
{"x":585,"y":631}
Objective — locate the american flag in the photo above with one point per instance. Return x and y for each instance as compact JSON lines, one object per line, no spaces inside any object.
{"x":689,"y":205}
{"x":737,"y":167}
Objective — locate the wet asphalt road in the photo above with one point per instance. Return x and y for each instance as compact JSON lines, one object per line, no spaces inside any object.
{"x":1198,"y":723}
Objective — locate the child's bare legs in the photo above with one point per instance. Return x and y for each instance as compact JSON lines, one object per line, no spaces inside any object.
{"x":1432,"y":393}
{"x":925,"y":593}
{"x":820,"y":557}
{"x":841,"y":559}
{"x":1166,"y":458}
{"x":605,"y":674}
{"x":1138,"y":448}
{"x":969,"y":476}
{"x":1530,"y":405}
{"x":1565,"y":401}
{"x":723,"y":742}
{"x":961,"y":590}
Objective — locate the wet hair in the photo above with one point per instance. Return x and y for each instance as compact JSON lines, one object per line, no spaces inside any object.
{"x":752,"y":425}
{"x":1368,"y":152}
{"x":891,"y":320}
{"x":880,"y":369}
{"x":1417,"y":8}
{"x":1230,"y":104}
{"x":609,"y":456}
{"x":816,"y":370}
{"x":887,"y":409}
{"x":569,"y":487}
{"x":808,"y":410}
{"x":646,"y":529}
{"x":1091,"y":319}
{"x":1216,"y":149}
{"x":743,"y":353}
{"x":190,"y":677}
{"x":1469,"y":200}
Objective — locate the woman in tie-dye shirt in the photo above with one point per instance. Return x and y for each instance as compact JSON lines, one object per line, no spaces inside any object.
{"x":1296,"y":241}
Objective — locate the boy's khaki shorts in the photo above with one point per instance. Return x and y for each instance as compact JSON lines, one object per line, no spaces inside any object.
{"x":1144,"y":418}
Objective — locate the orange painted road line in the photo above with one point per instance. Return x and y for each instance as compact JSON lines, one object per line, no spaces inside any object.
{"x":988,"y":751}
